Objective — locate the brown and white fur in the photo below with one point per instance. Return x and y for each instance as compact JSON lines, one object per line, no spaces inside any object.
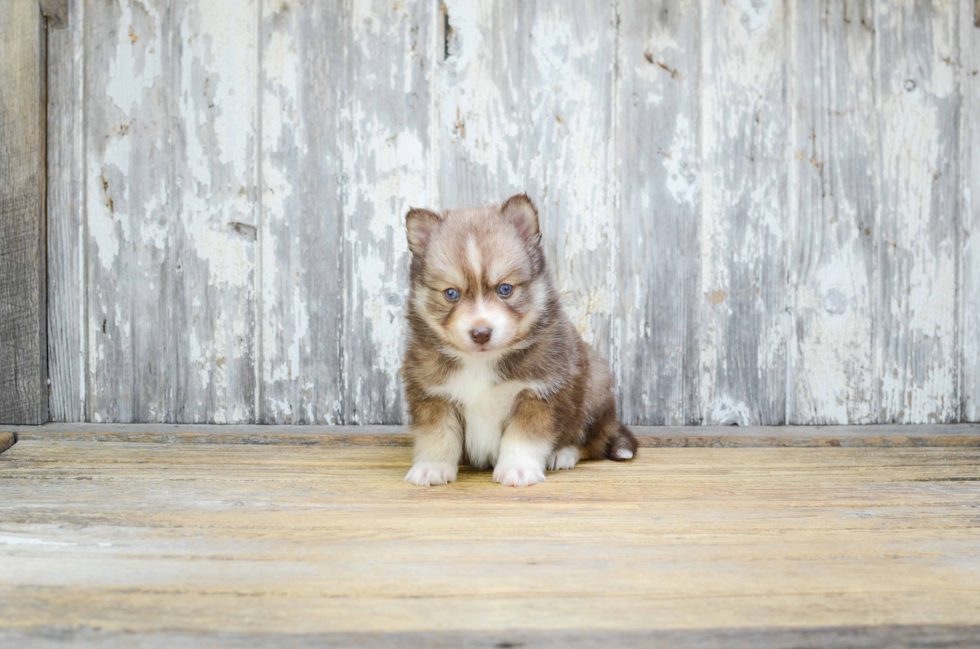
{"x":498,"y":381}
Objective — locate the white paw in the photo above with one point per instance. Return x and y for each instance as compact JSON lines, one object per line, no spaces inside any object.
{"x":564,"y":458}
{"x":624,"y":454}
{"x":518,"y":476}
{"x":426,"y":474}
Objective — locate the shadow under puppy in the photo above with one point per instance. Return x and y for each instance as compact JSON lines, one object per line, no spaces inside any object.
{"x":495,"y":372}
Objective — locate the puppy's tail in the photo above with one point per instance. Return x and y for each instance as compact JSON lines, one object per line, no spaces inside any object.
{"x":623,"y":446}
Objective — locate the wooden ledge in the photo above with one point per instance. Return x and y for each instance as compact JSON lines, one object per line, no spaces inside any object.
{"x":947,"y":435}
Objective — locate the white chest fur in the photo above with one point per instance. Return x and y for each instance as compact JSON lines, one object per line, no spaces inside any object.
{"x":486,"y":403}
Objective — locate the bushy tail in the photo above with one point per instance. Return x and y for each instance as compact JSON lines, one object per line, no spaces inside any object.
{"x":623,"y":446}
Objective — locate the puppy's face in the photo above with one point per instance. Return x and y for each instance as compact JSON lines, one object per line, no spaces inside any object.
{"x":478,"y":275}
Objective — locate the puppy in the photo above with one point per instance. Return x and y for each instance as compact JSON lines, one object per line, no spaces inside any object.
{"x":495,"y":373}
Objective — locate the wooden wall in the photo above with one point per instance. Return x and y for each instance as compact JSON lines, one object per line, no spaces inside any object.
{"x":761,"y":211}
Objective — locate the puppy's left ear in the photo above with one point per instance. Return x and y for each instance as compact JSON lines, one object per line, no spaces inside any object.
{"x":421,"y":224}
{"x":521,"y":212}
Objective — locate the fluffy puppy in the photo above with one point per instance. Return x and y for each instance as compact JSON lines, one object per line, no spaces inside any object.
{"x":495,"y":373}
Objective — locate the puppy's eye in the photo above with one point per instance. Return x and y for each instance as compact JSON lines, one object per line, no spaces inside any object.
{"x":504,"y":290}
{"x":451,"y":294}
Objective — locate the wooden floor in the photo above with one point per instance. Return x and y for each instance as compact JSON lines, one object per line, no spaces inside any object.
{"x":109,"y":543}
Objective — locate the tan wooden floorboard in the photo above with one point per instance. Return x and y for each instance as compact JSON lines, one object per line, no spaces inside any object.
{"x":220,"y":542}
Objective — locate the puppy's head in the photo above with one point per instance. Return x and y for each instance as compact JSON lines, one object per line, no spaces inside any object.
{"x":478,"y":275}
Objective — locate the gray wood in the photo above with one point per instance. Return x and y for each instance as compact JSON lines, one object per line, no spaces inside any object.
{"x":56,"y":11}
{"x":748,"y":208}
{"x":130,"y":211}
{"x":525,"y":104}
{"x":969,"y":151}
{"x":942,"y":435}
{"x":214,"y":157}
{"x":302,"y":192}
{"x":884,"y":636}
{"x":23,"y":348}
{"x":658,"y":303}
{"x":387,"y":171}
{"x":745,"y":147}
{"x":67,"y":240}
{"x":916,"y":351}
{"x":832,"y":225}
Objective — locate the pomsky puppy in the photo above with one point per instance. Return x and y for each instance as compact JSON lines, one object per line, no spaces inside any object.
{"x":495,"y":373}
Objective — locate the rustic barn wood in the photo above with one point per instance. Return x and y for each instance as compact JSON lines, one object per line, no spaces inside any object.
{"x":762,"y":213}
{"x":904,"y":435}
{"x":23,"y":348}
{"x":246,"y":545}
{"x":969,"y":227}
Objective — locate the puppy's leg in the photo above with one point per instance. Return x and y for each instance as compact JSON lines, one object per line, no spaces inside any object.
{"x":438,"y":436}
{"x":527,"y":443}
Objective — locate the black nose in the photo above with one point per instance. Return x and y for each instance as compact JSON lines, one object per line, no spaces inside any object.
{"x":481,"y":335}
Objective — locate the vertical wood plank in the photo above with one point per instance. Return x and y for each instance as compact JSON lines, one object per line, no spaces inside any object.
{"x":23,"y":347}
{"x":130,"y":210}
{"x":215,"y":122}
{"x":969,"y":149}
{"x":67,"y":243}
{"x":916,"y":337}
{"x":387,"y":169}
{"x":301,"y":231}
{"x":659,"y":295}
{"x":526,"y":104}
{"x":833,"y":233}
{"x":745,"y":142}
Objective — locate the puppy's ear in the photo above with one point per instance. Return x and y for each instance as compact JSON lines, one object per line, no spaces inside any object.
{"x":421,"y":225}
{"x":521,"y":212}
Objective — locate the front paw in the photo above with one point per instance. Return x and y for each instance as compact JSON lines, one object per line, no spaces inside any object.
{"x":427,"y":474}
{"x":518,"y":475}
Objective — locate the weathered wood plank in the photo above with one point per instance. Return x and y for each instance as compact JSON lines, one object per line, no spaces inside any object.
{"x":916,"y":347}
{"x":130,"y":210}
{"x":387,"y":170}
{"x":745,"y":148}
{"x":67,"y":239}
{"x":303,"y":116}
{"x":148,"y":538}
{"x":941,"y":435}
{"x":56,"y":11}
{"x":833,"y":229}
{"x":525,"y":103}
{"x":214,"y":155}
{"x":658,"y":302}
{"x":882,"y":636}
{"x":23,"y":344}
{"x":969,"y":170}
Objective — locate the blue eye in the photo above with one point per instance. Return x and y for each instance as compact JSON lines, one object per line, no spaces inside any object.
{"x":504,"y":290}
{"x":451,"y":294}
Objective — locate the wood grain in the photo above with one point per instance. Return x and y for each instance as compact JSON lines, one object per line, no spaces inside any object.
{"x":23,"y":344}
{"x":67,"y":232}
{"x":943,"y":435}
{"x":215,"y":114}
{"x":659,"y":301}
{"x":150,"y":538}
{"x":918,"y":115}
{"x":969,"y":249}
{"x":745,"y":149}
{"x":833,"y":230}
{"x":760,"y":212}
{"x":303,"y":58}
{"x":130,"y":211}
{"x":387,"y":169}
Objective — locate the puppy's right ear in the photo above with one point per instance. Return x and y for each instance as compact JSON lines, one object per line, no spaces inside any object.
{"x":421,"y":225}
